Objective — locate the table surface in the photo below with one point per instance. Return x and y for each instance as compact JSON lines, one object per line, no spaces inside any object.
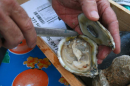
{"x":24,"y":66}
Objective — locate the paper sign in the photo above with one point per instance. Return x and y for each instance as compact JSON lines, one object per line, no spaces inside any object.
{"x":43,"y":15}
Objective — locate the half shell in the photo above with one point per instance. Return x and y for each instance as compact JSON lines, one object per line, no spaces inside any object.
{"x":95,"y":31}
{"x":86,"y":63}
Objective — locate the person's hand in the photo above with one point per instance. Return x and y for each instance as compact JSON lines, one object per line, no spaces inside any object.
{"x":68,"y":10}
{"x":15,"y":25}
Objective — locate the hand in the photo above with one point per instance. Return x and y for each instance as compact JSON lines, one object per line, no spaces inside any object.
{"x":15,"y":25}
{"x":68,"y":10}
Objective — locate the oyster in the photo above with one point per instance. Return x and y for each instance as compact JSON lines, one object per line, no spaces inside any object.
{"x":118,"y":74}
{"x":78,"y":54}
{"x":100,"y":80}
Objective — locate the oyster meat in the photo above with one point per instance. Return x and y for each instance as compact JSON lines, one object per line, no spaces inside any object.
{"x":78,"y":54}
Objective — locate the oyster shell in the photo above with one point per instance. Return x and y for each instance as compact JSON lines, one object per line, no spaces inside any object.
{"x":78,"y":54}
{"x":95,"y":31}
{"x":100,"y":80}
{"x":118,"y":74}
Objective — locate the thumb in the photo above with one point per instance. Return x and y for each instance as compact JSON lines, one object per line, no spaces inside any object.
{"x":89,"y":8}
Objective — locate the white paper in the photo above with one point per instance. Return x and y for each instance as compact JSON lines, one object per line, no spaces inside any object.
{"x":43,"y":15}
{"x":123,"y":2}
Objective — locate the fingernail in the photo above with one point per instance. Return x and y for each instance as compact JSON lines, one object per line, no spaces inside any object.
{"x":99,"y":61}
{"x":94,"y":14}
{"x":105,"y":55}
{"x":32,"y":46}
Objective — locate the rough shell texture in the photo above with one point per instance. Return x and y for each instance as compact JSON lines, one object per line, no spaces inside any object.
{"x":92,"y":71}
{"x":95,"y":31}
{"x":100,"y":80}
{"x":118,"y":74}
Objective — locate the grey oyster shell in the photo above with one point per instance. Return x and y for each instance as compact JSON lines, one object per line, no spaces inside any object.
{"x":118,"y":74}
{"x":95,"y":31}
{"x":100,"y":80}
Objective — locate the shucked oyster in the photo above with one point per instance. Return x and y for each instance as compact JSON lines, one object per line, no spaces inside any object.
{"x":78,"y":54}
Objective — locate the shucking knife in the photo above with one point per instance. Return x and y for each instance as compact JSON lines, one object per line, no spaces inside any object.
{"x":52,"y":32}
{"x":55,"y":32}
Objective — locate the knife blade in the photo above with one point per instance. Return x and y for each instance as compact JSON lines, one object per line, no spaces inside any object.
{"x":54,"y":32}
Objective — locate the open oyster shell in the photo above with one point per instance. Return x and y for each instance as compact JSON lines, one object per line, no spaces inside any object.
{"x":78,"y":54}
{"x":95,"y":31}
